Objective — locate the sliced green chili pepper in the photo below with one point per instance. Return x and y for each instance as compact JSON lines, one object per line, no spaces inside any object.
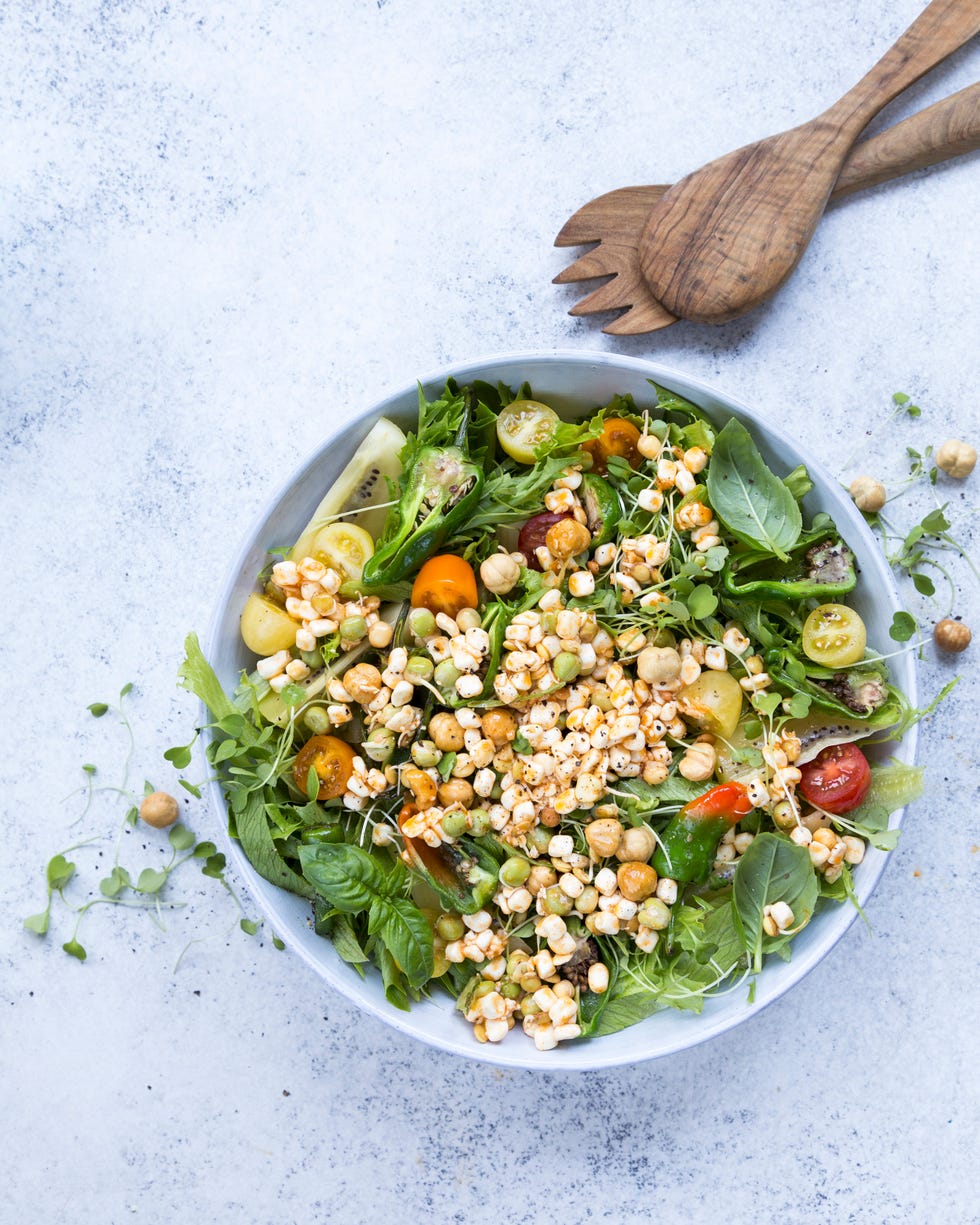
{"x":602,"y":508}
{"x":690,"y":838}
{"x":825,"y":569}
{"x":443,"y":490}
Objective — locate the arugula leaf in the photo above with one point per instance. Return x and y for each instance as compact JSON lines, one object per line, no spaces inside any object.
{"x":773,"y":869}
{"x":252,"y":829}
{"x":753,"y":503}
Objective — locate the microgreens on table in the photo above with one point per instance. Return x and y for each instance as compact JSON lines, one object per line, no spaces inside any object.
{"x":147,"y":888}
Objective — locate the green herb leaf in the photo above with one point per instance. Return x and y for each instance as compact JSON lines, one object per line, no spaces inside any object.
{"x":902,"y":627}
{"x":74,"y":949}
{"x":97,"y":709}
{"x":151,"y":881}
{"x":773,"y":869}
{"x":702,"y":602}
{"x":248,"y":926}
{"x":346,"y":876}
{"x":180,"y":755}
{"x":181,"y":838}
{"x":446,"y":763}
{"x":406,"y":934}
{"x":214,"y":865}
{"x":59,"y":872}
{"x":748,"y":497}
{"x":38,"y":923}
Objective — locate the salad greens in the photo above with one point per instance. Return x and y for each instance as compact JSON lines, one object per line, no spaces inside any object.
{"x":575,"y":742}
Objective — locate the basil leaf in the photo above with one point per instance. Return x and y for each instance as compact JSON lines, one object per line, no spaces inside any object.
{"x":345,"y":875}
{"x":752,"y":502}
{"x":772,"y":870}
{"x":405,"y":932}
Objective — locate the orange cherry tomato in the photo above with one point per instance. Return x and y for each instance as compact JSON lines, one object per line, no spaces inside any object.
{"x":445,"y":584}
{"x":618,"y":437}
{"x":333,"y":761}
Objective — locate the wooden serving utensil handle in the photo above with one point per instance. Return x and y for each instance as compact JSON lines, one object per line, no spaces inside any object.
{"x":938,"y":31}
{"x":941,"y":131}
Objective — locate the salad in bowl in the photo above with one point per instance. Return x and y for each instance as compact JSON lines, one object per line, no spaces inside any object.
{"x":559,"y":712}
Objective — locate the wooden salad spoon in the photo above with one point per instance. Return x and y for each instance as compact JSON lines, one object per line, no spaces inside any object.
{"x":616,"y":219}
{"x":724,"y":238}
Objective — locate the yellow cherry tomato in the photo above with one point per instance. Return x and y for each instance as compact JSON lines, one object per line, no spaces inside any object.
{"x":618,"y":437}
{"x":713,"y":702}
{"x":834,"y":636}
{"x":523,"y":426}
{"x":343,"y":547}
{"x":333,"y":761}
{"x":266,"y":627}
{"x":445,"y":584}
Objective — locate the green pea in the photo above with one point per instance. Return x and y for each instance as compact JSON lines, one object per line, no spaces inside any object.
{"x":353,"y":629}
{"x":515,"y":963}
{"x":479,"y":822}
{"x":450,"y":927}
{"x":419,"y":666}
{"x":655,"y":914}
{"x":380,"y":745}
{"x":510,"y":991}
{"x":453,"y":824}
{"x":312,"y":659}
{"x":514,"y":872}
{"x":587,"y":900}
{"x":446,"y":674}
{"x":425,"y":754}
{"x":468,"y":619}
{"x":484,"y":988}
{"x":421,"y":623}
{"x":556,"y":902}
{"x":528,"y":1007}
{"x":549,"y":622}
{"x":566,"y":666}
{"x":316,"y":720}
{"x":539,"y":838}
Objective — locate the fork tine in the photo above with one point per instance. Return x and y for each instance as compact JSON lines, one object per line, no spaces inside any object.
{"x":592,"y":264}
{"x":617,"y":216}
{"x":641,"y":317}
{"x":606,"y":298}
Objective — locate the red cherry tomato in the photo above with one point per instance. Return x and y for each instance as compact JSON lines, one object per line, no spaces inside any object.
{"x":533,"y":534}
{"x":837,"y":779}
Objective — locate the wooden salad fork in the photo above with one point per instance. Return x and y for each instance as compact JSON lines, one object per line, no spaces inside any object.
{"x":616,"y":220}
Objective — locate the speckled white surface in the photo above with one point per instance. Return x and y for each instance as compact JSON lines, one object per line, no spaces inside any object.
{"x":227,"y":227}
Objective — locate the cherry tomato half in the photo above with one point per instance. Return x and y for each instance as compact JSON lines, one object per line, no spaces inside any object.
{"x":333,"y":761}
{"x":445,"y":584}
{"x":618,"y":437}
{"x":837,"y":779}
{"x":534,"y":532}
{"x":834,"y":635}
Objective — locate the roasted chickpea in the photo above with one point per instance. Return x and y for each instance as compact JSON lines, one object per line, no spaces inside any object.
{"x":952,"y":636}
{"x":446,"y":732}
{"x":657,"y":665}
{"x":566,"y":538}
{"x":636,"y":881}
{"x":603,"y":837}
{"x":868,"y":494}
{"x":499,"y":725}
{"x":456,"y":791}
{"x":363,"y":682}
{"x":159,"y":809}
{"x":637,"y":845}
{"x":956,"y":458}
{"x":500,"y":573}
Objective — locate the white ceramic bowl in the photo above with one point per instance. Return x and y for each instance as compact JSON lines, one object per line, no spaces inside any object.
{"x":571,"y":381}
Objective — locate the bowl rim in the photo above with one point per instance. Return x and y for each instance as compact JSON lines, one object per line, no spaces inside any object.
{"x":589,"y":1056}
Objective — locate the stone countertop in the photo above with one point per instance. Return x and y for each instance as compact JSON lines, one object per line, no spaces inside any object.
{"x":226,"y":228}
